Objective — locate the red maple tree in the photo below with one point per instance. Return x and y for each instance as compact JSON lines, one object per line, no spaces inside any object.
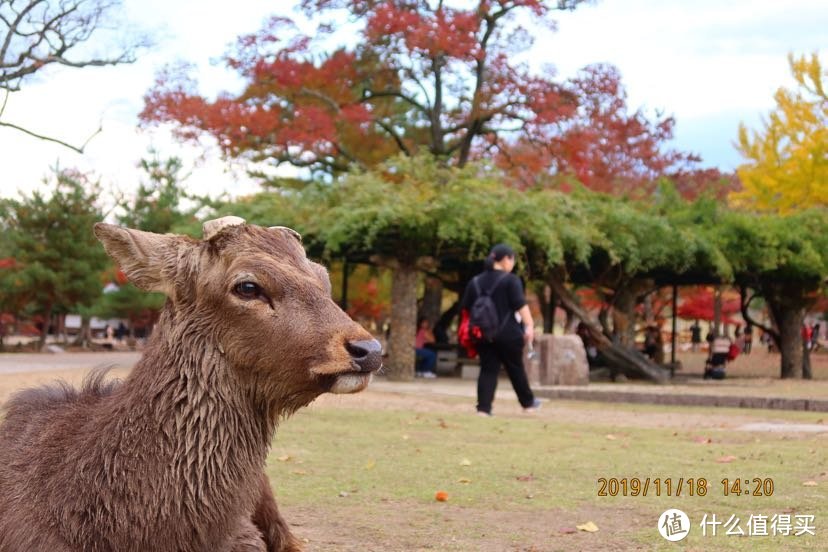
{"x":422,"y":76}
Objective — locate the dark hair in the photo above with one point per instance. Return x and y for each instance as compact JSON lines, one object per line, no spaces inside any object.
{"x":497,"y":253}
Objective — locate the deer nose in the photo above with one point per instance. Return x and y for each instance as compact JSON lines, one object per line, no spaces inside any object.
{"x":367,"y":354}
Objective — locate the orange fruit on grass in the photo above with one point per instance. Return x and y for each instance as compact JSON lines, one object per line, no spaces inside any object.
{"x":441,"y":496}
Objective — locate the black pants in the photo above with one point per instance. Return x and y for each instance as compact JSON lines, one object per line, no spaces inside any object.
{"x":492,"y":356}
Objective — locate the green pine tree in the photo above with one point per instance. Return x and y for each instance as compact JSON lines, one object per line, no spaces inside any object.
{"x":58,"y":261}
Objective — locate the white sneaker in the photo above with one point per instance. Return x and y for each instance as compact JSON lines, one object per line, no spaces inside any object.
{"x":429,"y":375}
{"x":536,"y":405}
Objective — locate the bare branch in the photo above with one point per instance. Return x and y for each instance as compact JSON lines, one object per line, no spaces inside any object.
{"x":320,"y":96}
{"x":744,"y":305}
{"x":37,"y":33}
{"x":5,"y":101}
{"x":368,"y":95}
{"x":397,"y":138}
{"x":412,"y":75}
{"x":79,"y":149}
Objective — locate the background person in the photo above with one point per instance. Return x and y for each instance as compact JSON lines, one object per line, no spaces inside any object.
{"x":506,"y":348}
{"x":719,"y":351}
{"x":695,"y":336}
{"x":426,"y":358}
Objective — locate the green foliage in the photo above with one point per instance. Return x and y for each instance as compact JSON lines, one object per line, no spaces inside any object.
{"x":157,"y":205}
{"x":414,"y":207}
{"x":127,"y":302}
{"x":58,"y":261}
{"x":411,"y":208}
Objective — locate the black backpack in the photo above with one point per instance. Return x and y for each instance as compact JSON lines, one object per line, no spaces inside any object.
{"x":483,"y":314}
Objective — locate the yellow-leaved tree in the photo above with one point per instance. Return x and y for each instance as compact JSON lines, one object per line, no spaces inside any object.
{"x":787,"y":161}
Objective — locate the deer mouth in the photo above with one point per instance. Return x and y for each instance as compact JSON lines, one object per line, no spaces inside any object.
{"x":352,"y":381}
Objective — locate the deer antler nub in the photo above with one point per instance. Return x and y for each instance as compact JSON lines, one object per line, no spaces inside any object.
{"x":213,"y":227}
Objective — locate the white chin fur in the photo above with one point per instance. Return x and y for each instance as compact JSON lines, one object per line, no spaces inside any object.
{"x":351,"y":383}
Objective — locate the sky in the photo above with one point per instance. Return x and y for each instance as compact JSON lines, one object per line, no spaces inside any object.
{"x":710,"y":64}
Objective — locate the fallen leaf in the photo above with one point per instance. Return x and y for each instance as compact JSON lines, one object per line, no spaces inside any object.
{"x":405,"y":437}
{"x":441,"y":496}
{"x":370,"y":465}
{"x":530,"y":496}
{"x":726,"y":459}
{"x":611,"y":437}
{"x":465,"y":462}
{"x":529,"y":477}
{"x":343,"y":494}
{"x":299,"y":472}
{"x":809,"y":483}
{"x":442,"y":423}
{"x":464,"y":480}
{"x":285,"y":458}
{"x":589,"y":527}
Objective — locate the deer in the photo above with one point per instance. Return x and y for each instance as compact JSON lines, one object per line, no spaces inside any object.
{"x":172,"y":458}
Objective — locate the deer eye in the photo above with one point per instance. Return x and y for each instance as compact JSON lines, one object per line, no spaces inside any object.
{"x":248,"y":290}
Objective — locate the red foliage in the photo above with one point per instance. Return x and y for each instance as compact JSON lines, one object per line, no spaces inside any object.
{"x":366,"y":303}
{"x":426,"y":76}
{"x":697,"y":303}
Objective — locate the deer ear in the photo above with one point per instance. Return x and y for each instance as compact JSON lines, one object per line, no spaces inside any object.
{"x":148,"y":260}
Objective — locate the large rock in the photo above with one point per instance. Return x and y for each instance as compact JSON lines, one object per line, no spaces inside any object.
{"x":561,"y":360}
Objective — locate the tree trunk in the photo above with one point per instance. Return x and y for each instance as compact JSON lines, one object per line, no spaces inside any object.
{"x":84,"y":334}
{"x":61,"y":328}
{"x":432,"y":305}
{"x":789,"y":317}
{"x":717,"y":310}
{"x":550,"y":307}
{"x":47,"y":322}
{"x":628,"y":361}
{"x":623,"y":317}
{"x":648,"y":309}
{"x":623,"y":310}
{"x":400,"y":362}
{"x":547,"y":307}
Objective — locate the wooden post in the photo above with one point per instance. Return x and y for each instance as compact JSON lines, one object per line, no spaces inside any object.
{"x":673,"y":339}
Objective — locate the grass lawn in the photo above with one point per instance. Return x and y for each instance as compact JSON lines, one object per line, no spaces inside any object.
{"x":360,"y":472}
{"x":364,"y":475}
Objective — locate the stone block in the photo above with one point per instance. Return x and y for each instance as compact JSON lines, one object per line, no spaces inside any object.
{"x":561,"y":360}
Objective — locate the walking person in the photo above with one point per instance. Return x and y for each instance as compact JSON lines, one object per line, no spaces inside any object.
{"x":748,"y":339}
{"x":815,"y":329}
{"x":695,"y":336}
{"x":515,"y":328}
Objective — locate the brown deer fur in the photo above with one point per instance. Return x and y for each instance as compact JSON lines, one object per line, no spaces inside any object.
{"x":172,"y":459}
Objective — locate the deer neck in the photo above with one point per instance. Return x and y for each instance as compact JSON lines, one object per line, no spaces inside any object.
{"x":214,"y":436}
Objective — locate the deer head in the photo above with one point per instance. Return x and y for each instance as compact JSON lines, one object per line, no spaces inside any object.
{"x":250,"y":296}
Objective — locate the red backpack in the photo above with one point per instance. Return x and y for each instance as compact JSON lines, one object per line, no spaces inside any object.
{"x":464,"y":335}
